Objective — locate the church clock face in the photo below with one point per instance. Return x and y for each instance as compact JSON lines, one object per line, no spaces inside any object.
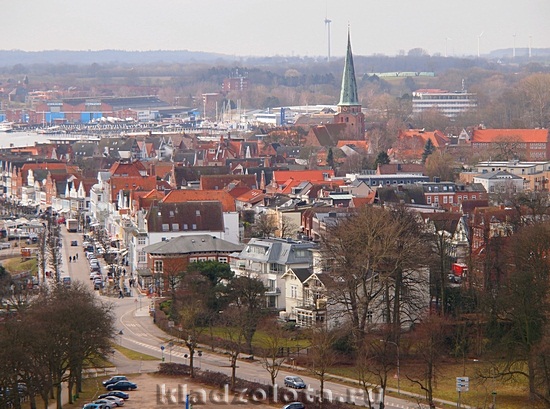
{"x":345,"y":109}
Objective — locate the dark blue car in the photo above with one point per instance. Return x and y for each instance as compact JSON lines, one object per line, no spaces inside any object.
{"x":118,"y":394}
{"x":122,"y":386}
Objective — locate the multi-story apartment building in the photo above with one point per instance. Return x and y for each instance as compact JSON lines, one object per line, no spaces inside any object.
{"x":269,"y":259}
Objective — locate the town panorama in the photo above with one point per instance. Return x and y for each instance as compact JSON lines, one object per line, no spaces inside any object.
{"x":383,"y":219}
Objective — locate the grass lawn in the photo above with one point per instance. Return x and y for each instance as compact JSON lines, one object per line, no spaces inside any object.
{"x":509,"y":396}
{"x":15,"y":265}
{"x":221,"y":333}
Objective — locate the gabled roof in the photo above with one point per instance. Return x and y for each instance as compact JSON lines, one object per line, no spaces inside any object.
{"x":127,"y":169}
{"x":183,"y":195}
{"x":396,"y":168}
{"x":496,"y":135}
{"x":131,"y":183}
{"x":194,"y":244}
{"x":282,"y":176}
{"x":301,"y":274}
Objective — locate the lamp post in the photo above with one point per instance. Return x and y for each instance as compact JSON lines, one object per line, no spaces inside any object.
{"x":398,"y":374}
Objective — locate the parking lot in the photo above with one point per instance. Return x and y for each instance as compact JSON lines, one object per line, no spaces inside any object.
{"x":155,"y":391}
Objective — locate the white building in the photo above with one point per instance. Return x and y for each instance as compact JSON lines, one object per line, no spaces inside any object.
{"x":500,"y":181}
{"x":269,"y":259}
{"x":450,"y":104}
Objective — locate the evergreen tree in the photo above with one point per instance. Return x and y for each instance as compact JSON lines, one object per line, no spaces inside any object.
{"x":330,"y":158}
{"x":381,"y":159}
{"x":429,"y":148}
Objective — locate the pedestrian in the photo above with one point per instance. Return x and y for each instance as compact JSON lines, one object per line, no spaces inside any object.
{"x":120,"y":295}
{"x":70,"y":259}
{"x":76,"y":256}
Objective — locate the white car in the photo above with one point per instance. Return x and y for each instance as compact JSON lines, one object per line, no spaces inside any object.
{"x":107,"y":404}
{"x":117,"y":401}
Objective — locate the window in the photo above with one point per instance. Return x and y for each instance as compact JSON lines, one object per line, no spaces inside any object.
{"x":429,"y":199}
{"x":194,"y":227}
{"x":141,"y":241}
{"x":175,"y":227}
{"x":369,"y":317}
{"x":165,"y":227}
{"x":142,"y":257}
{"x":185,"y":226}
{"x":293,"y":291}
{"x":300,"y":253}
{"x":445,"y":199}
{"x":158,"y":266}
{"x":197,"y":213}
{"x":473,"y":197}
{"x":222,"y":259}
{"x":450,"y":199}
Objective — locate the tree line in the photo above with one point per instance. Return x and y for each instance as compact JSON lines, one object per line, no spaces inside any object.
{"x":49,"y":342}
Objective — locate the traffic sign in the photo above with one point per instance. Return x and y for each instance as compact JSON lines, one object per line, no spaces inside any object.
{"x":462,"y":384}
{"x":162,"y":347}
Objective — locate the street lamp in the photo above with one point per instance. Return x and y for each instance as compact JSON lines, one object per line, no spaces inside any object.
{"x":398,"y":375}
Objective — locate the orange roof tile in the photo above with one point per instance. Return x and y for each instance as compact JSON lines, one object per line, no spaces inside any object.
{"x":251,"y":196}
{"x":281,"y":176}
{"x":524,"y":135}
{"x":131,"y":183}
{"x":181,"y":195}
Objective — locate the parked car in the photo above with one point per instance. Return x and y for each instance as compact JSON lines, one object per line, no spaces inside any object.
{"x":93,"y":406}
{"x":295,"y":382}
{"x":118,"y":394}
{"x":294,"y":405}
{"x":5,"y":246}
{"x":74,"y":243}
{"x":114,"y":380}
{"x":107,"y":404}
{"x":122,"y":386}
{"x":117,"y":401}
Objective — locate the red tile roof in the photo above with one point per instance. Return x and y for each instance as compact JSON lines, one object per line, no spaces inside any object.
{"x":282,"y":176}
{"x":524,"y":135}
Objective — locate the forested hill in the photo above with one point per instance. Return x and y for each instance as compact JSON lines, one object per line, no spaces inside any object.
{"x":13,"y":57}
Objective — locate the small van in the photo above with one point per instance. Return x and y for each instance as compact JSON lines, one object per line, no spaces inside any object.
{"x":66,"y":280}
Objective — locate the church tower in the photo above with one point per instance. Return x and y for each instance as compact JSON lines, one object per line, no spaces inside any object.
{"x":349,"y":108}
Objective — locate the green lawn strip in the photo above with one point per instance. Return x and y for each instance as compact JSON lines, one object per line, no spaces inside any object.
{"x":16,"y":265}
{"x":510,"y":395}
{"x":134,"y":355}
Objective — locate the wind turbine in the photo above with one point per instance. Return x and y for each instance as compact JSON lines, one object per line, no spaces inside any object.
{"x":446,"y":41}
{"x":514,"y":46}
{"x":478,"y":40}
{"x":530,"y":38}
{"x":327,"y":25}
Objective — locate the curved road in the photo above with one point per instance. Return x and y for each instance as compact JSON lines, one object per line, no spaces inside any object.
{"x":140,"y":334}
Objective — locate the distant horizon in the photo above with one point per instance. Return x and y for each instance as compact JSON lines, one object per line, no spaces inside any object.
{"x":522,"y":53}
{"x":261,"y":28}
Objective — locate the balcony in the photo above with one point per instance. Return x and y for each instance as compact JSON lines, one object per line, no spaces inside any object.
{"x":272,"y":291}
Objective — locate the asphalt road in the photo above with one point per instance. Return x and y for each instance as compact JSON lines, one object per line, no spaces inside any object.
{"x":140,"y":334}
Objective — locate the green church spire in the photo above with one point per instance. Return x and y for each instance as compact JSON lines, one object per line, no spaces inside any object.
{"x":348,"y":94}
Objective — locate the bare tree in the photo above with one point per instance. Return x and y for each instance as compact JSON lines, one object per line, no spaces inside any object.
{"x":54,"y":243}
{"x":271,"y":345}
{"x":264,"y":226}
{"x":430,"y":339}
{"x":234,"y":326}
{"x":322,"y":357}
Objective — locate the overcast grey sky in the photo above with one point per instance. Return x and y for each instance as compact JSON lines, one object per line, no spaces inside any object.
{"x":275,"y":27}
